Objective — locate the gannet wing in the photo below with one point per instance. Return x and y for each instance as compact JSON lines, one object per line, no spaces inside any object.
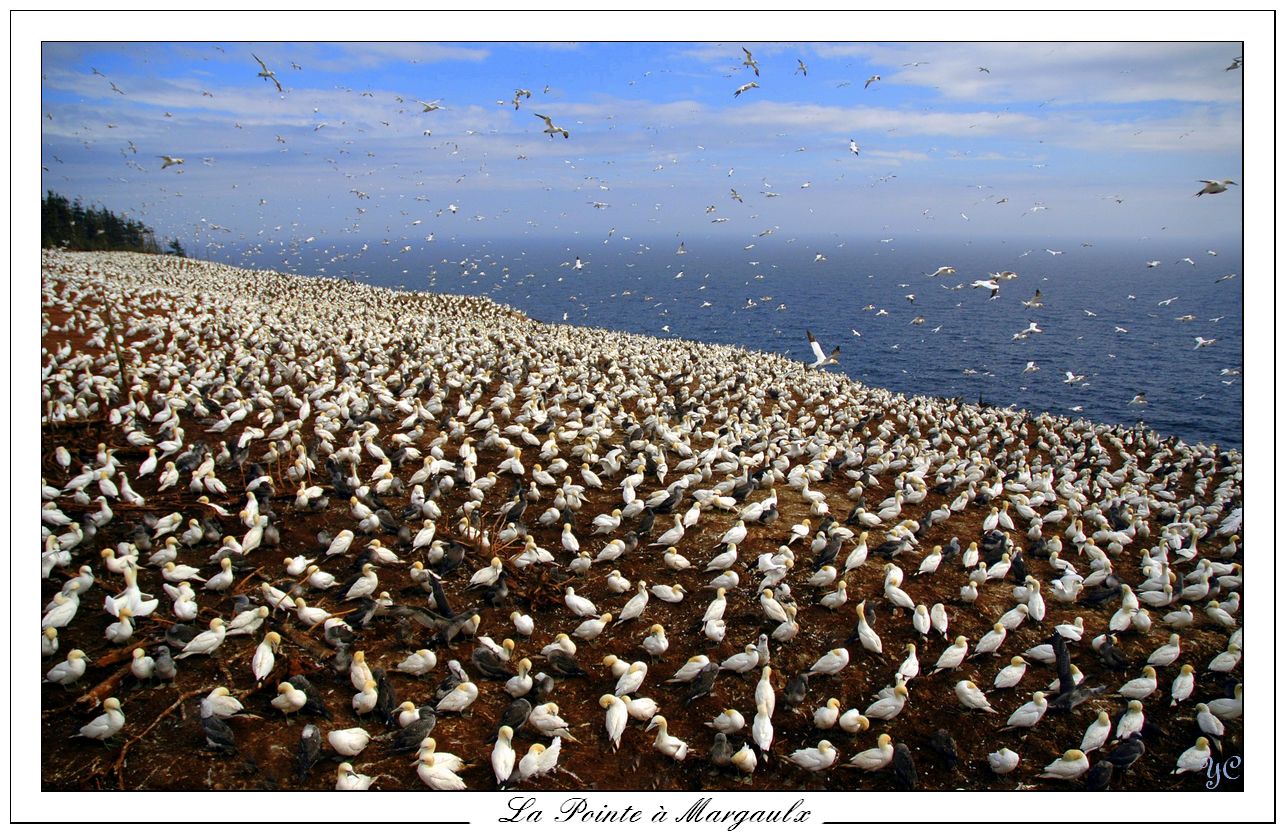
{"x":817,"y":348}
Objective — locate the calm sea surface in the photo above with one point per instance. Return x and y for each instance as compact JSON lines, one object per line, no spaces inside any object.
{"x":1106,"y":315}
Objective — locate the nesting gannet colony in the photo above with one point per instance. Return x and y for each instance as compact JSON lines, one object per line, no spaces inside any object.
{"x":302,"y":533}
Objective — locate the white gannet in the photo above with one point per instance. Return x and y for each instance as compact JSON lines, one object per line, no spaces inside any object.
{"x":876,"y":758}
{"x":348,"y":742}
{"x":1002,"y":761}
{"x":1194,"y":758}
{"x":1214,"y":187}
{"x":728,"y":722}
{"x":886,"y":709}
{"x":205,"y":642}
{"x":968,"y":693}
{"x":106,"y":725}
{"x":503,"y":756}
{"x":1029,"y":713}
{"x":952,"y":656}
{"x":1009,"y":676}
{"x":70,"y":670}
{"x":265,"y":73}
{"x":265,"y":656}
{"x":1097,"y":733}
{"x":816,"y":758}
{"x":822,"y":359}
{"x":551,"y":128}
{"x":347,"y":779}
{"x":1071,"y":765}
{"x":675,"y":748}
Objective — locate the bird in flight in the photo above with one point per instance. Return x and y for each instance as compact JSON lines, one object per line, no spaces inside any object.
{"x":429,"y":106}
{"x":852,"y":146}
{"x":1236,"y":64}
{"x":1214,"y":187}
{"x":822,"y":359}
{"x":170,"y":160}
{"x":873,"y":78}
{"x":987,"y":285}
{"x":114,"y":87}
{"x":942,"y":270}
{"x":551,"y":128}
{"x":984,"y":69}
{"x":802,"y":67}
{"x":520,"y":94}
{"x":267,"y":74}
{"x":751,"y":86}
{"x":749,"y":61}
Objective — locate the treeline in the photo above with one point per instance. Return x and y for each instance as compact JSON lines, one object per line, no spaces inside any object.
{"x":70,"y":225}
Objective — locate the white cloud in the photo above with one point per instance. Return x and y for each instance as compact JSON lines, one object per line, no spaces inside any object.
{"x":1061,"y":73}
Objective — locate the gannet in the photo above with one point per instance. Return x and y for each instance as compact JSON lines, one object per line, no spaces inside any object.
{"x":877,"y":757}
{"x":552,"y":129}
{"x":1214,"y":187}
{"x":1194,"y":758}
{"x":265,"y":73}
{"x":1071,"y":765}
{"x":106,"y":725}
{"x":822,"y":358}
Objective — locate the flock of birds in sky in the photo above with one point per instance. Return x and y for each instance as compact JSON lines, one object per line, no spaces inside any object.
{"x":993,"y":283}
{"x":493,"y":499}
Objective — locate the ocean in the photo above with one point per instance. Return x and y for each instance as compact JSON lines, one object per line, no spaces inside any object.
{"x":1104,"y":314}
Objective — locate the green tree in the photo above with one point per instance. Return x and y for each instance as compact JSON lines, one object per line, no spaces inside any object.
{"x":69,"y":224}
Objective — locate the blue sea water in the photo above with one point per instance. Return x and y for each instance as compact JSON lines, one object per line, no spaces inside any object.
{"x":1106,"y":315}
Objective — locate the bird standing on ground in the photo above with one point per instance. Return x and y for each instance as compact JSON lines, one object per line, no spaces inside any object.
{"x":110,"y":722}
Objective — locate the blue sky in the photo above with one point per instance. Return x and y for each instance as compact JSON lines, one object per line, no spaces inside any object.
{"x":1091,"y":140}
{"x":1143,"y":122}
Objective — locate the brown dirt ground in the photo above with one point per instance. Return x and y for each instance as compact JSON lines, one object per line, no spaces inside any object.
{"x":169,"y":752}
